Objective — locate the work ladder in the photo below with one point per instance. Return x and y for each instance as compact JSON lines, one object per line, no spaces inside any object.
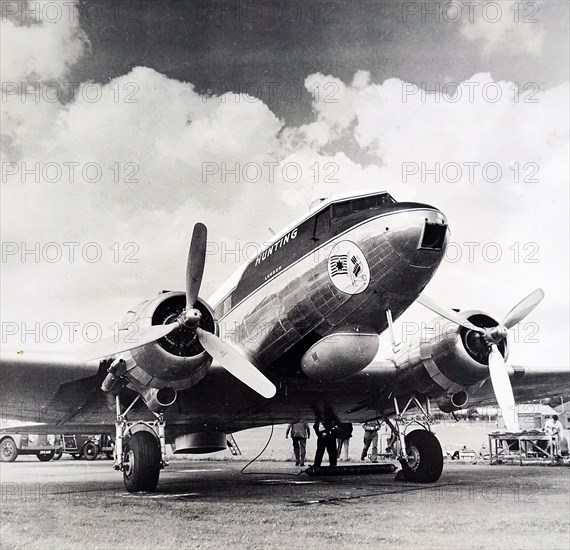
{"x":232,"y":445}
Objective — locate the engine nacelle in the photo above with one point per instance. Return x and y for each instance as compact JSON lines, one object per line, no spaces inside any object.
{"x":176,"y":361}
{"x":447,"y":358}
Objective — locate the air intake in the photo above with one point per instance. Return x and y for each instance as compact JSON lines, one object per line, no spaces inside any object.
{"x":433,"y":237}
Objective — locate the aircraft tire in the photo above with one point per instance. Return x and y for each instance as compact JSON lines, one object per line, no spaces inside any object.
{"x":44,"y":457}
{"x":141,"y":462}
{"x":426,"y":464}
{"x":90,"y":450}
{"x":8,"y":450}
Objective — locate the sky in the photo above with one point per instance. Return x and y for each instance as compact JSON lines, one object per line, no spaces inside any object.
{"x":125,"y":123}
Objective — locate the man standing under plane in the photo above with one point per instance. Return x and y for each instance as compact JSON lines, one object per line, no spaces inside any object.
{"x":300,"y":432}
{"x":370,"y":438}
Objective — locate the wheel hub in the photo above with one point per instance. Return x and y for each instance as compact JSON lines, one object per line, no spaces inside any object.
{"x":128,"y":463}
{"x":6,"y":449}
{"x":413,"y":458}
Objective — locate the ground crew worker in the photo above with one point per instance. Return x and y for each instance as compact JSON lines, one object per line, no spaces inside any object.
{"x":554,"y":427}
{"x":326,"y":439}
{"x":370,"y":438}
{"x":300,"y":432}
{"x":343,"y":435}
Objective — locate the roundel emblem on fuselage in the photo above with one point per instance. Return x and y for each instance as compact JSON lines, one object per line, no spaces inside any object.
{"x":348,"y":268}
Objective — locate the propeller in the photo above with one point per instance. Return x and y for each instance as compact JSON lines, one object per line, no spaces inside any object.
{"x":503,"y":389}
{"x":196,"y":262}
{"x":123,"y":340}
{"x":523,"y":308}
{"x":235,"y":363}
{"x":493,"y":336}
{"x":447,"y":313}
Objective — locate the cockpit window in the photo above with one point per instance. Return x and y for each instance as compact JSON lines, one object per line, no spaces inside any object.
{"x":322,"y":223}
{"x":358,"y":205}
{"x":364,"y":204}
{"x":341,"y":209}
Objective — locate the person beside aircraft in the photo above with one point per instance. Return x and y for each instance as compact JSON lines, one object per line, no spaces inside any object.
{"x":300,"y":432}
{"x":326,"y":439}
{"x":344,"y":433}
{"x":554,"y":427}
{"x":370,"y":438}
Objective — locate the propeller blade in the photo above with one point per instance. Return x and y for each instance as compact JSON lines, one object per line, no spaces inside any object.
{"x":503,"y":389}
{"x":523,"y":308}
{"x":447,"y":313}
{"x":236,"y":364}
{"x":124,"y":340}
{"x":195,"y":264}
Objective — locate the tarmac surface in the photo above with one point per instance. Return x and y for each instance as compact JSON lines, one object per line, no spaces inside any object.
{"x":211,"y":504}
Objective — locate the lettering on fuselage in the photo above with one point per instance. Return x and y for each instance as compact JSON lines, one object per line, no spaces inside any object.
{"x":276,"y":246}
{"x":272,"y":273}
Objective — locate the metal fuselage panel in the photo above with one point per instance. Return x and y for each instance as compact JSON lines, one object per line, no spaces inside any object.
{"x":301,"y":298}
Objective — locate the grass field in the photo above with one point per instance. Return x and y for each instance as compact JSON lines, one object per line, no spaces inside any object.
{"x":210,"y":504}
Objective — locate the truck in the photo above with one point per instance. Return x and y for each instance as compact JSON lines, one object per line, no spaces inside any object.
{"x":45,"y":447}
{"x":88,"y":446}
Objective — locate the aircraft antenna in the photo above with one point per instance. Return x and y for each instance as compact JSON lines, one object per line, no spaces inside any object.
{"x":391,"y":330}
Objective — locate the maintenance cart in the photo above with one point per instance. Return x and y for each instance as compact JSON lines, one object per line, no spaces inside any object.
{"x":525,"y":447}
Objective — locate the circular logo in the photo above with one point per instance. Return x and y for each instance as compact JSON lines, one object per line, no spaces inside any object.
{"x":348,"y":268}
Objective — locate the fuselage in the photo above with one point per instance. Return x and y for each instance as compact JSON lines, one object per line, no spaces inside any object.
{"x":340,"y":267}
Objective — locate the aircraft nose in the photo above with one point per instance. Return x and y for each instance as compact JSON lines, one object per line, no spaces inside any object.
{"x":420,"y":234}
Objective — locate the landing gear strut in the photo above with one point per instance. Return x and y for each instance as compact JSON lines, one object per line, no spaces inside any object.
{"x":418,"y":451}
{"x":140,"y":449}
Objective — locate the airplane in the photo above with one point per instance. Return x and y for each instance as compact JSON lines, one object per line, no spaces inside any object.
{"x":294,"y":333}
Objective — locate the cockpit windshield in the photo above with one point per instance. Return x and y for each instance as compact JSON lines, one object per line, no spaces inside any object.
{"x":341,"y":209}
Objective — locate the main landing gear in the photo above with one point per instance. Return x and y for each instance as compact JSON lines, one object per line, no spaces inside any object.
{"x":418,"y":451}
{"x":140,"y":449}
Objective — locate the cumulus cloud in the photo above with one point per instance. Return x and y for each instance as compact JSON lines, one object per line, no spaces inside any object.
{"x":40,"y":49}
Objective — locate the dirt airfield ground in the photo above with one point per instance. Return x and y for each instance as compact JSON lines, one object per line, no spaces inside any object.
{"x":210,"y":504}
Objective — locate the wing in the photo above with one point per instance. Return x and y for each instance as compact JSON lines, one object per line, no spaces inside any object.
{"x":528,"y":383}
{"x":46,"y":387}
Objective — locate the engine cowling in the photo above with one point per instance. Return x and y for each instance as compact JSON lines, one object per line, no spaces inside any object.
{"x":447,"y":359}
{"x":176,"y":361}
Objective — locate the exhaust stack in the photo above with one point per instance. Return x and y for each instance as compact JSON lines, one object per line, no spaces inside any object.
{"x":158,"y":400}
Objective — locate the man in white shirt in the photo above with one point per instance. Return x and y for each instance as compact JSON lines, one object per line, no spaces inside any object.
{"x":553,"y":426}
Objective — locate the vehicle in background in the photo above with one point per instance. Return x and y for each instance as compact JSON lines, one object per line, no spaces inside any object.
{"x":88,"y":446}
{"x":45,"y":447}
